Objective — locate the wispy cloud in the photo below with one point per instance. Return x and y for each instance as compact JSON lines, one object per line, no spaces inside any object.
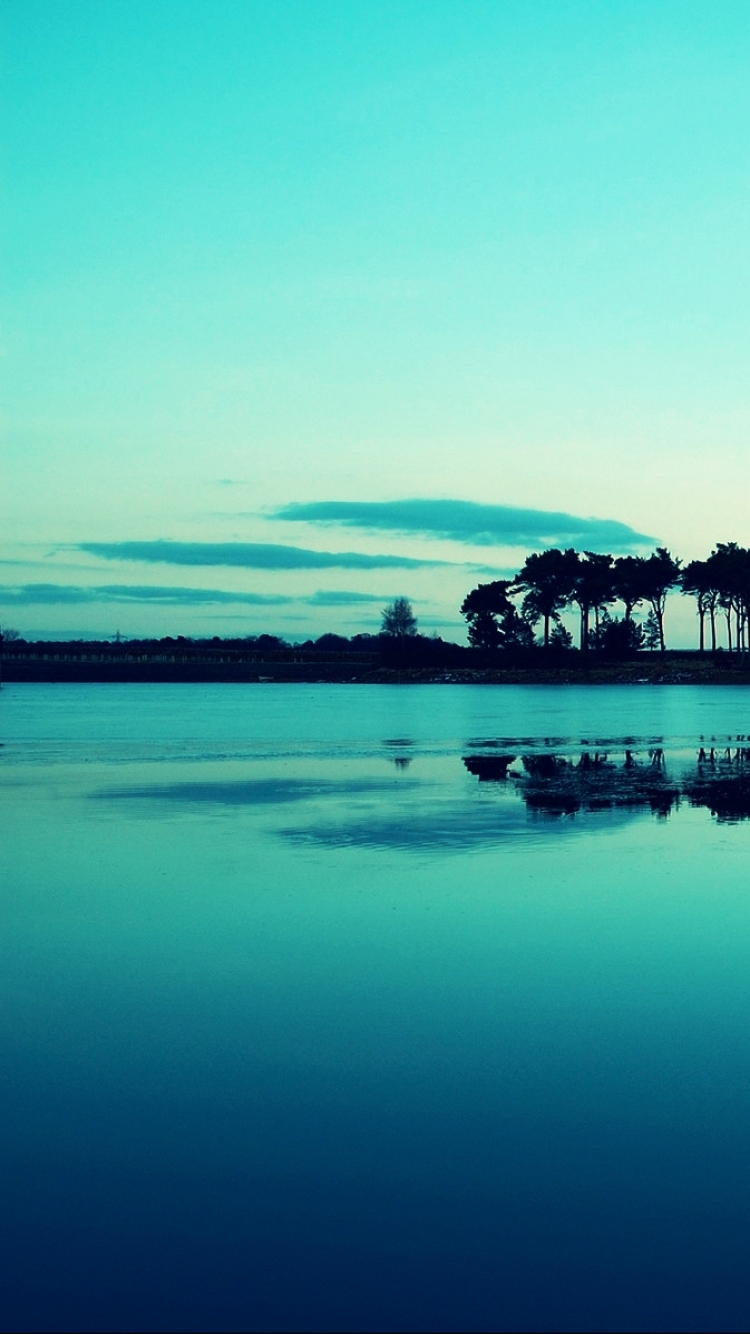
{"x":26,"y":595}
{"x":248,"y":555}
{"x":469,"y":522}
{"x":334,"y":598}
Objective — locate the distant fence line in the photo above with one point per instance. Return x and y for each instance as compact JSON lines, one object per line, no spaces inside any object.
{"x":28,"y":653}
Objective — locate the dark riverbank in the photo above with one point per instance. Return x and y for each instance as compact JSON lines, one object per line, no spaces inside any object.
{"x":637,"y":673}
{"x":74,"y":664}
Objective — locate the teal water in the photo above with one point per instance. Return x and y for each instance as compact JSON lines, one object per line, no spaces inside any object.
{"x":331,"y":1007}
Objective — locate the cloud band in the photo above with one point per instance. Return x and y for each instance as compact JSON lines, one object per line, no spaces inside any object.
{"x":248,"y":555}
{"x":470,"y":522}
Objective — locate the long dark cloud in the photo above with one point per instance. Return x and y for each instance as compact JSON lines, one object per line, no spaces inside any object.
{"x":467,"y":521}
{"x":248,"y":555}
{"x":25,"y":595}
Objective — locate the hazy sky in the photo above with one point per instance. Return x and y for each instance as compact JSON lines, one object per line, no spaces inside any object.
{"x":272,"y":269}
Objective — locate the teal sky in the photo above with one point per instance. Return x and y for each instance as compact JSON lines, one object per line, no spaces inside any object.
{"x":268,"y":255}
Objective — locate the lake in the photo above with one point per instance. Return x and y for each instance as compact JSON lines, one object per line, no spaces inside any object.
{"x":348,"y":1007}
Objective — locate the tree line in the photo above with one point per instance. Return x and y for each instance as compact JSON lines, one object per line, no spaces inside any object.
{"x":506,"y":613}
{"x":553,"y":581}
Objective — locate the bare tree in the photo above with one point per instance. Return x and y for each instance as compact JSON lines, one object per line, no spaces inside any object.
{"x":397,"y":620}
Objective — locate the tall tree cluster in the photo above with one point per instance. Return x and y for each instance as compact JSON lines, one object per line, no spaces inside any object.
{"x":553,"y":581}
{"x":721,"y":586}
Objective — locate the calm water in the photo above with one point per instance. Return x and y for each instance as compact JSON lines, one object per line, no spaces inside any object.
{"x":331,"y":1007}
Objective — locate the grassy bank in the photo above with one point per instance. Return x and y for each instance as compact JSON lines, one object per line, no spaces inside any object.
{"x":676,"y":668}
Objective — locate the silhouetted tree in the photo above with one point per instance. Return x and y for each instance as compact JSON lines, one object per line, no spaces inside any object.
{"x":548,"y":580}
{"x":742,"y":595}
{"x":628,"y":582}
{"x":661,"y":571}
{"x":698,"y":579}
{"x":560,"y":637}
{"x":651,"y":632}
{"x":484,"y":632}
{"x":616,"y":638}
{"x":515,"y":630}
{"x":483,"y":608}
{"x":332,"y":643}
{"x":593,"y":588}
{"x":398,"y":621}
{"x":267,"y":643}
{"x":730,"y":568}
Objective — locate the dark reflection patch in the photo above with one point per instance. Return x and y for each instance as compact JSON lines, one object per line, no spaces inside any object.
{"x":250,"y":792}
{"x":458,"y":827}
{"x":522,"y":790}
{"x":489,"y":768}
{"x":718,"y":778}
{"x":565,"y":785}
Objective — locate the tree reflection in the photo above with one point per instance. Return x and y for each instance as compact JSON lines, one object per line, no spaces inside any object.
{"x":489,"y":768}
{"x":722,"y":783}
{"x":554,"y":785}
{"x":396,"y":746}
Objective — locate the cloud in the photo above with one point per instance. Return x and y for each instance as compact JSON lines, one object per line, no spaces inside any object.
{"x":248,"y":555}
{"x":26,"y":595}
{"x":324,"y":598}
{"x":467,"y":521}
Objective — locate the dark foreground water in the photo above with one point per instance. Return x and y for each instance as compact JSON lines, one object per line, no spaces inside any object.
{"x":329,"y":1007}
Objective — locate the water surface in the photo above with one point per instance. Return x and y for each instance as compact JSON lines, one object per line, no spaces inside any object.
{"x":350,"y":1007}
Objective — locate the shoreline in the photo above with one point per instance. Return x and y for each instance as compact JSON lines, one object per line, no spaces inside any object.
{"x":678,"y":671}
